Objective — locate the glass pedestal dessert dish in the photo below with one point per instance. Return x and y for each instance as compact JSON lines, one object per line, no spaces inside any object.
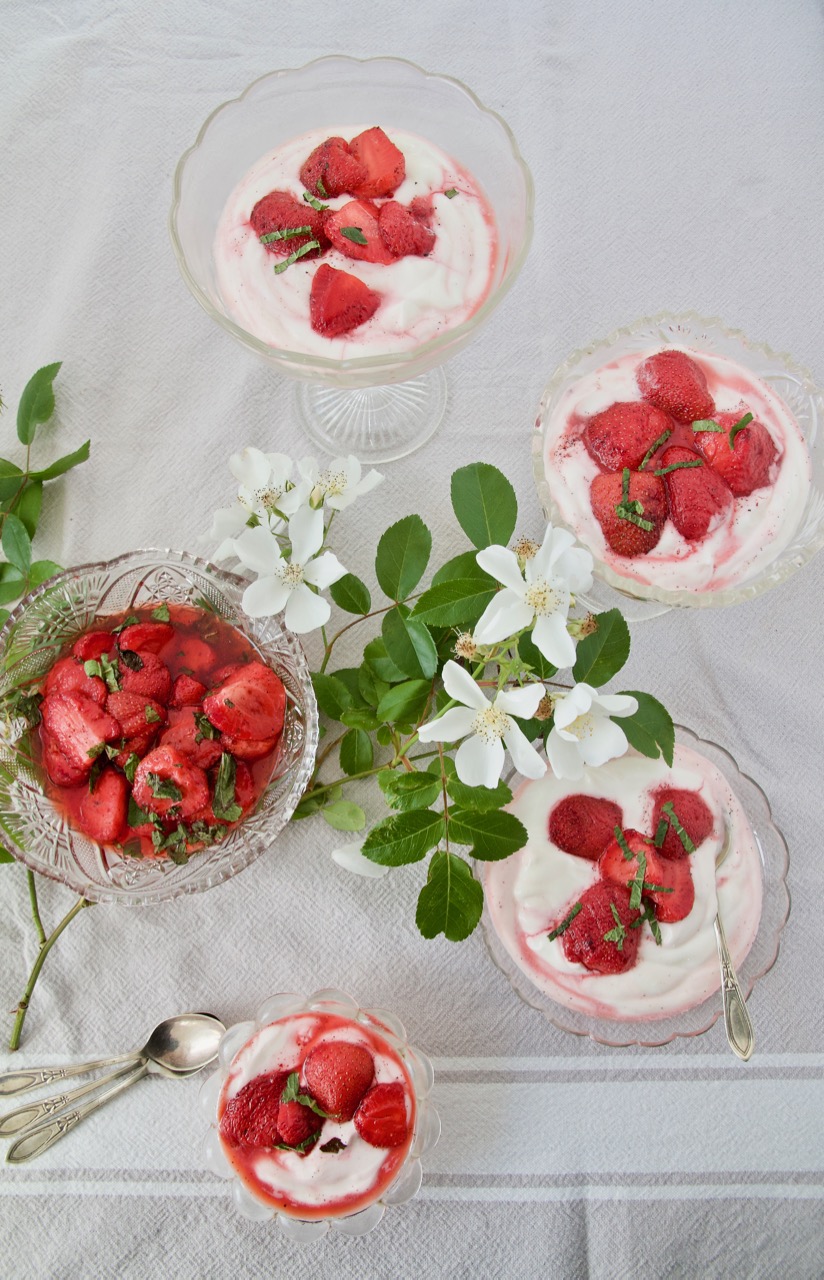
{"x":33,"y":826}
{"x":761,"y":539}
{"x":349,"y":1145}
{"x":375,"y":401}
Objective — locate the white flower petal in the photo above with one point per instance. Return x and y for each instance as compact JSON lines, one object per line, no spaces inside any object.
{"x":564,"y":757}
{"x":308,"y":468}
{"x":305,"y":611}
{"x":505,"y":614}
{"x":280,"y":468}
{"x":306,"y":534}
{"x":524,"y":756}
{"x":479,"y":763}
{"x":258,"y":550}
{"x":339,"y":501}
{"x":453,"y":724}
{"x":570,"y":706}
{"x":294,"y":498}
{"x":555,"y":543}
{"x":521,"y":702}
{"x":460,"y":686}
{"x":226,"y":550}
{"x":228,"y":521}
{"x":550,"y":635}
{"x":606,"y":741}
{"x":324,"y":570}
{"x":251,"y":468}
{"x":502,"y":564}
{"x":575,"y":567}
{"x":617,"y":704}
{"x":349,"y":857}
{"x":265,"y":597}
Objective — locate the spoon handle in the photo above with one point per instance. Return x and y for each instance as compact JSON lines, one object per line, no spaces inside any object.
{"x":26,"y":1118}
{"x":12,"y":1082}
{"x":737,"y":1021}
{"x":40,"y":1139}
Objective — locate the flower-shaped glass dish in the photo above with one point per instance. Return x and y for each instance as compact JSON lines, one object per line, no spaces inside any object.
{"x":427,"y":1123}
{"x":47,"y":621}
{"x":353,"y":405}
{"x":789,"y":380}
{"x":774,"y":861}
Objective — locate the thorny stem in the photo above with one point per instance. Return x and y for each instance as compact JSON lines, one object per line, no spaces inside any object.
{"x":45,"y":948}
{"x":35,"y":909}
{"x":375,"y":613}
{"x":445,"y":800}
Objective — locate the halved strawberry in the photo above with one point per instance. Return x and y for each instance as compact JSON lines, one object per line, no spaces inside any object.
{"x":381,"y":1118}
{"x":624,"y":535}
{"x":584,"y":825}
{"x":166,"y":779}
{"x":748,"y":464}
{"x":692,"y":814}
{"x":187,"y":736}
{"x":621,"y":435}
{"x":152,"y":680}
{"x":697,"y":496}
{"x":220,"y":676}
{"x":250,"y":1118}
{"x":78,"y":727}
{"x":402,"y":233}
{"x":296,"y":1123}
{"x":187,"y":692}
{"x":279,"y":211}
{"x":135,"y":713}
{"x":339,"y":302}
{"x":136,"y":746}
{"x":384,"y":163}
{"x":103,"y":809}
{"x":674,"y":382}
{"x":676,"y":897}
{"x":196,"y":655}
{"x":250,"y":704}
{"x":617,"y":868}
{"x":332,"y":169}
{"x":248,"y":748}
{"x":60,"y":769}
{"x":93,"y":644}
{"x":605,"y":910}
{"x":69,"y":676}
{"x":245,"y":795}
{"x":337,"y":1075}
{"x":151,"y":636}
{"x":354,"y":230}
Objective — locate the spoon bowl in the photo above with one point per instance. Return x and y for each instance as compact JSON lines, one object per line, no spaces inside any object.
{"x":183,"y":1044}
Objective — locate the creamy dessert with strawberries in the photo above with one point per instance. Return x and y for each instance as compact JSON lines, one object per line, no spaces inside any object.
{"x":678,"y":469}
{"x":317,"y":1115}
{"x":609,"y":908}
{"x":350,"y":246}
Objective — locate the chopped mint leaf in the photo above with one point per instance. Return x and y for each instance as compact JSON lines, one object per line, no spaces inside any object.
{"x":104,"y":668}
{"x":132,"y":848}
{"x":617,"y":934}
{"x":706,"y":424}
{"x":648,"y":915}
{"x":137,"y":817}
{"x":127,"y":622}
{"x":227,"y":702}
{"x":131,"y":659}
{"x":631,"y":509}
{"x":205,"y":728}
{"x":161,"y":613}
{"x":654,"y":447}
{"x":292,"y":1093}
{"x":152,"y":716}
{"x":97,"y":769}
{"x":288,"y":233}
{"x":566,"y":922}
{"x":186,"y":671}
{"x":657,"y":888}
{"x":96,"y":750}
{"x":321,"y":189}
{"x":679,"y":466}
{"x":307,"y":1142}
{"x":451,"y":193}
{"x":333,"y":1146}
{"x":669,"y":810}
{"x":163,"y":788}
{"x":316,"y":204}
{"x":223,"y":803}
{"x":299,"y":253}
{"x":354,"y":234}
{"x":636,"y":884}
{"x":739,"y":426}
{"x":661,"y":832}
{"x":113,"y":751}
{"x":622,"y":840}
{"x":92,"y":667}
{"x":130,"y":767}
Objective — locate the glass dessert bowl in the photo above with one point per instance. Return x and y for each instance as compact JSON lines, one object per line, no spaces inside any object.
{"x":758,"y":533}
{"x":377,"y":402}
{"x":319,"y":1114}
{"x":40,"y":824}
{"x":654,"y":991}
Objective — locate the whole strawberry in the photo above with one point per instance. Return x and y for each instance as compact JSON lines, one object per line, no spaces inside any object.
{"x":746,"y":464}
{"x":692,"y":815}
{"x":697,"y":497}
{"x":584,"y":825}
{"x":621,"y":435}
{"x":674,"y":382}
{"x":600,"y":936}
{"x":251,"y":1116}
{"x":631,"y":508}
{"x":337,"y":1074}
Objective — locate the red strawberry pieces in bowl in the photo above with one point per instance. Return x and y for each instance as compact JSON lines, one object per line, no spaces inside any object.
{"x":333,"y":169}
{"x":338,"y":1074}
{"x":584,"y":825}
{"x":675,"y":383}
{"x":384,"y":163}
{"x":167,"y":780}
{"x":354,"y":230}
{"x":631,"y":508}
{"x":340,"y":302}
{"x":78,"y":728}
{"x":103,"y":807}
{"x":622,"y":435}
{"x":403,"y":232}
{"x":250,"y":703}
{"x":291,"y":224}
{"x":697,"y":496}
{"x":381,"y":1118}
{"x":600,"y":935}
{"x":685,"y":809}
{"x":250,"y":1118}
{"x":747,"y":463}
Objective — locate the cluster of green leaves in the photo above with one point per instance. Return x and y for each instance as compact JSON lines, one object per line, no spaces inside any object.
{"x":21,"y":493}
{"x":376,"y":708}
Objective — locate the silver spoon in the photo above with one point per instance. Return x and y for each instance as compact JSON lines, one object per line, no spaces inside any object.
{"x":737,"y":1021}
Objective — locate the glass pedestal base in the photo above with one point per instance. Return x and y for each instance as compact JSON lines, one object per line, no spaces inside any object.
{"x":377,"y":424}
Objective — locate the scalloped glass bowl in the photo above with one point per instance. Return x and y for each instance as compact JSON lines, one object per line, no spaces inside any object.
{"x":329,"y":93}
{"x":793,"y":383}
{"x":50,"y":618}
{"x":762,"y":955}
{"x":427,"y":1124}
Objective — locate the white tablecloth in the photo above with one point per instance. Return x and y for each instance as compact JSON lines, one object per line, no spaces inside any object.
{"x":677,"y":157}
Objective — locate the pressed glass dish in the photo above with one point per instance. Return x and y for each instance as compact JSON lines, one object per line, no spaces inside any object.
{"x":48,"y":620}
{"x":377,"y":406}
{"x":427,"y":1122}
{"x":774,"y":859}
{"x":793,"y":383}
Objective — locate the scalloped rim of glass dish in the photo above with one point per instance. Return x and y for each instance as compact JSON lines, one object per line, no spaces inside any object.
{"x":792,"y":558}
{"x":419,"y":358}
{"x":427,"y":1121}
{"x":69,"y":856}
{"x":775,"y":861}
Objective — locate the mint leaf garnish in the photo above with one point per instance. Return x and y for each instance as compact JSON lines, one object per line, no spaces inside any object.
{"x":321,"y":189}
{"x":97,"y":769}
{"x":130,"y":767}
{"x":163,"y":788}
{"x":706,"y":424}
{"x":131,"y":659}
{"x":105,"y":669}
{"x":354,"y":234}
{"x":648,"y":915}
{"x":333,"y":1146}
{"x":451,"y":193}
{"x":174,"y":844}
{"x":205,"y":728}
{"x":631,"y":509}
{"x":739,"y":426}
{"x":96,"y":750}
{"x":288,"y":233}
{"x":566,"y":922}
{"x":661,"y":832}
{"x":622,"y":840}
{"x":617,"y":934}
{"x":299,"y":253}
{"x":316,"y":204}
{"x":137,"y":817}
{"x":291,"y":1093}
{"x":679,"y":466}
{"x":636,"y":884}
{"x":127,"y":622}
{"x":307,"y":1142}
{"x":152,"y":716}
{"x":654,"y":447}
{"x":161,"y":613}
{"x":657,"y":888}
{"x":223,"y":804}
{"x":669,"y":810}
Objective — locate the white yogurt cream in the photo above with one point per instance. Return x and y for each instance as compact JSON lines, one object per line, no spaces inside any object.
{"x":761,"y":525}
{"x":420,"y":296}
{"x":530,"y":892}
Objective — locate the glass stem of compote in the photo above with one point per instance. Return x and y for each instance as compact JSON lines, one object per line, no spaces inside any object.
{"x":46,"y":944}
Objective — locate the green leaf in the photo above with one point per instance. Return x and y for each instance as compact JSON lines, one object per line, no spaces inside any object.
{"x":492,"y":834}
{"x":332,"y":694}
{"x":343,"y":815}
{"x":41,"y":570}
{"x":451,"y":901}
{"x":406,"y":837}
{"x":482,"y":799}
{"x":459,"y":602}
{"x":16,"y":543}
{"x":361,"y":717}
{"x":5,"y":857}
{"x":161,"y":613}
{"x":404,"y":702}
{"x":484,"y":503}
{"x":384,"y":668}
{"x":223,"y":802}
{"x":37,"y":402}
{"x":4,"y":616}
{"x":351,"y":678}
{"x":29,"y":504}
{"x":10,"y":477}
{"x":356,"y":752}
{"x":64,"y":464}
{"x":371,"y":688}
{"x":351,"y":594}
{"x":650,"y":730}
{"x":406,"y":791}
{"x":403,"y":554}
{"x":529,"y":652}
{"x":409,"y":645}
{"x":14,"y":585}
{"x":603,"y":653}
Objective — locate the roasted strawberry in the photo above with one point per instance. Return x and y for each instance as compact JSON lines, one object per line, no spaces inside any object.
{"x":422,"y":208}
{"x":697,"y":497}
{"x":339,"y":302}
{"x":692,"y":815}
{"x":748,"y":464}
{"x":584,"y":825}
{"x":354,"y":230}
{"x":402,"y":233}
{"x":332,"y":170}
{"x":296,"y":1123}
{"x":250,"y":1118}
{"x":381,"y":1118}
{"x":135,"y":713}
{"x":631,"y":515}
{"x":151,"y":636}
{"x":187,"y":692}
{"x":93,"y":644}
{"x":250,"y":704}
{"x":166,"y":779}
{"x":674,"y":382}
{"x":78,"y":727}
{"x":384,"y":163}
{"x":280,"y":214}
{"x":68,"y":675}
{"x":337,"y":1074}
{"x":189,"y":733}
{"x":244,"y":786}
{"x":623,"y":434}
{"x":195,"y":655}
{"x":151,"y":679}
{"x":219,"y":677}
{"x":103,"y":808}
{"x":248,"y":748}
{"x":617,"y":868}
{"x":600,"y":936}
{"x":136,"y":746}
{"x":676,"y":897}
{"x":60,"y":769}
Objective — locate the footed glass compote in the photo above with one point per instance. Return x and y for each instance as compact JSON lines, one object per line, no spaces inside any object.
{"x":377,"y":399}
